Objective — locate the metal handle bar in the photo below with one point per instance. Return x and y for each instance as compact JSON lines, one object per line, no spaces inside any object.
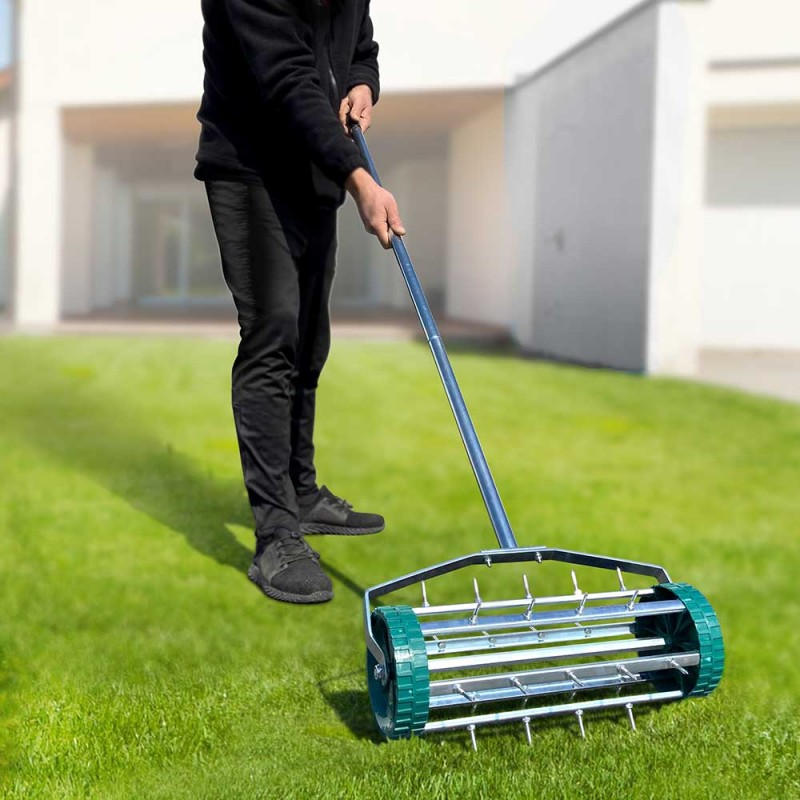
{"x":491,"y":497}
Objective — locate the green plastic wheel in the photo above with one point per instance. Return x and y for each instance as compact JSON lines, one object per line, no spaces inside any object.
{"x":696,"y":628}
{"x":400,"y":698}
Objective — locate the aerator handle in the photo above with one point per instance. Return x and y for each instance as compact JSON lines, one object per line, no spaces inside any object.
{"x":491,"y":497}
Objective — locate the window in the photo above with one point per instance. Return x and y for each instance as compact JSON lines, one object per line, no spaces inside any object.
{"x":6,"y":33}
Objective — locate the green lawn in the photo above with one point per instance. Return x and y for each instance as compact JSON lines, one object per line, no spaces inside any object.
{"x":137,"y":661}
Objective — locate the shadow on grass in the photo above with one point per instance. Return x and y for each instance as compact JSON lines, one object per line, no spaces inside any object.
{"x":346,"y":581}
{"x":352,"y":706}
{"x":92,"y":432}
{"x":353,"y":709}
{"x":8,"y":736}
{"x":89,"y":431}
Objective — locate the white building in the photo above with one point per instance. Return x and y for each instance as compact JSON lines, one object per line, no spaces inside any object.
{"x":614,"y":182}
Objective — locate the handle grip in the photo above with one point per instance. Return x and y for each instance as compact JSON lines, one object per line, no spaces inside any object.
{"x":361,"y":143}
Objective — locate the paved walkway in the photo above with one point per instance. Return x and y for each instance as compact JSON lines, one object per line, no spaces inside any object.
{"x":392,"y":328}
{"x":770,"y":372}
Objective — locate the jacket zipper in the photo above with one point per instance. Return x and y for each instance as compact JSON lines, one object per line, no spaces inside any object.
{"x":330,"y":57}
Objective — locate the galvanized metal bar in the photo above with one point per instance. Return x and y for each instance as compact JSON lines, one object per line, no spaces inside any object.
{"x":551,"y":711}
{"x":589,"y":615}
{"x":550,"y":600}
{"x":595,"y":669}
{"x":513,"y":693}
{"x":455,"y":663}
{"x":471,"y":644}
{"x":488,"y":488}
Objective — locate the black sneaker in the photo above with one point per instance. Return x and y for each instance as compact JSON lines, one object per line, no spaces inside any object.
{"x":331,"y":514}
{"x":286,"y":568}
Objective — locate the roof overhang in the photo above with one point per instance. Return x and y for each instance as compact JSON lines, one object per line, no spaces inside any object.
{"x":399,"y":114}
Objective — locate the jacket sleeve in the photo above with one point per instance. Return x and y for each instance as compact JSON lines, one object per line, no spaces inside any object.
{"x":277,"y":46}
{"x":364,"y":69}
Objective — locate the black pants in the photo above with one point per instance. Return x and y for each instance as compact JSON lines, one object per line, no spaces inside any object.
{"x":279,"y":267}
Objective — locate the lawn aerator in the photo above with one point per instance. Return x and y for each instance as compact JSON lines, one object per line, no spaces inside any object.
{"x":529,"y":657}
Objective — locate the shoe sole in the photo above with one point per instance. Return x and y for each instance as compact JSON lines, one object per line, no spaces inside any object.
{"x":254,"y":573}
{"x":337,"y":530}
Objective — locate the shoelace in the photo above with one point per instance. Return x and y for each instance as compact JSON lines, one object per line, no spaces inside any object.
{"x":340,"y":501}
{"x":293,"y":548}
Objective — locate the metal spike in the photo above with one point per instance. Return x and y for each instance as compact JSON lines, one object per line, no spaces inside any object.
{"x":488,"y":560}
{"x":425,"y":603}
{"x":575,"y":583}
{"x":516,"y":682}
{"x":458,"y":688}
{"x":574,"y":678}
{"x":529,"y":610}
{"x":632,"y":603}
{"x":579,"y":715}
{"x":625,"y":672}
{"x":478,"y":603}
{"x":582,"y":604}
{"x":675,"y":665}
{"x":538,"y":557}
{"x":471,"y":729}
{"x":629,"y":709}
{"x":526,"y":721}
{"x":530,"y":598}
{"x":621,"y":582}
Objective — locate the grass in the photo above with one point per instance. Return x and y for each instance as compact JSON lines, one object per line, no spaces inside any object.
{"x":137,"y":661}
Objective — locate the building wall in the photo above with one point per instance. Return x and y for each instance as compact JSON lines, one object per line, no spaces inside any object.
{"x":79,"y":226}
{"x":122,"y":52}
{"x":39,"y":207}
{"x":478,"y":231}
{"x":452,"y":44}
{"x":5,"y":207}
{"x":743,"y":29}
{"x":581,"y":173}
{"x":751,"y":280}
{"x":678,"y":157}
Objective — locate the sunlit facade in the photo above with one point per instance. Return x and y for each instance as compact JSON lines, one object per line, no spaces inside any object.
{"x":613,"y":182}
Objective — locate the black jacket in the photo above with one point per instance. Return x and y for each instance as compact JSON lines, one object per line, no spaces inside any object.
{"x":270,"y":101}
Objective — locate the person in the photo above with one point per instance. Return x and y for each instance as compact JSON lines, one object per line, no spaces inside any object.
{"x":284,"y":79}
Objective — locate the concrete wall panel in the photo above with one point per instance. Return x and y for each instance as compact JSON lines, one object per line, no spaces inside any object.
{"x":480,"y":269}
{"x":582,"y":201}
{"x":76,"y":264}
{"x":676,"y":243}
{"x":116,"y":51}
{"x":751,"y":280}
{"x":6,"y":211}
{"x":743,"y":29}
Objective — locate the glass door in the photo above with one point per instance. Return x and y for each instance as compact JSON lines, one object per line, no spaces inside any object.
{"x":175,"y":255}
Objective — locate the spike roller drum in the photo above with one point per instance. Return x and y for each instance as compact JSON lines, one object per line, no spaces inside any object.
{"x":460,"y":666}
